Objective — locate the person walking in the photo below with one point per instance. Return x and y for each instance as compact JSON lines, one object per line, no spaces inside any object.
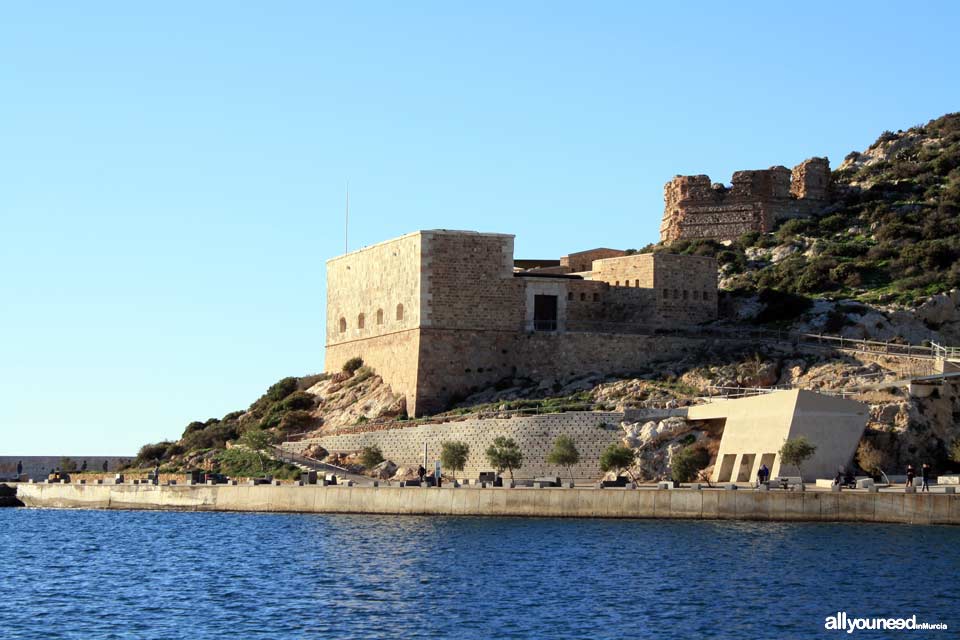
{"x":911,"y":474}
{"x":421,"y":472}
{"x":925,"y":475}
{"x":105,"y":466}
{"x":19,"y":469}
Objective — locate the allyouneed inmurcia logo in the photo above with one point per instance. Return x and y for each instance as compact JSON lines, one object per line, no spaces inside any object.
{"x":842,"y":622}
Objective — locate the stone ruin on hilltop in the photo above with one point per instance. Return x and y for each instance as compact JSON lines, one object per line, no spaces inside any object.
{"x":695,"y":208}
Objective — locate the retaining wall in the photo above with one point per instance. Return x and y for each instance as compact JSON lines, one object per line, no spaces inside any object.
{"x":595,"y":503}
{"x":534,"y":435}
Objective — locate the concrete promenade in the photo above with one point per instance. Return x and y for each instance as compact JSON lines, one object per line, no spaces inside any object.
{"x":706,"y":504}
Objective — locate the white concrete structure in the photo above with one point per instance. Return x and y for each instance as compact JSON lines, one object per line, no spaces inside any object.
{"x":756,"y":427}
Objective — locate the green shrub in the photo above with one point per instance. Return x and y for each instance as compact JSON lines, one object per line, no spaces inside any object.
{"x":352,"y":364}
{"x":617,"y":458}
{"x":299,"y":400}
{"x":296,"y":421}
{"x":688,"y":462}
{"x":371,"y":456}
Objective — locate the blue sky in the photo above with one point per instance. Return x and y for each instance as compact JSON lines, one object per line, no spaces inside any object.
{"x":172,"y":176}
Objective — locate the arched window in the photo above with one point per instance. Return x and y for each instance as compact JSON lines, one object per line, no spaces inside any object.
{"x":583,"y":297}
{"x":570,"y":295}
{"x":399,"y":312}
{"x":360,"y":320}
{"x":617,"y":283}
{"x":676,"y":294}
{"x":343,"y":325}
{"x":706,"y":296}
{"x":636,"y":283}
{"x":666,"y":293}
{"x":684,"y":294}
{"x":379,"y":316}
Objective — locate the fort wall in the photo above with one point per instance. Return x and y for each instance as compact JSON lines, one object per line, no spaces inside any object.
{"x":695,"y":208}
{"x":441,"y":314}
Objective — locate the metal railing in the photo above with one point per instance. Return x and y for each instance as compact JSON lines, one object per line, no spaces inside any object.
{"x":947,"y":353}
{"x":770,"y":335}
{"x":746,"y":392}
{"x":285,"y":455}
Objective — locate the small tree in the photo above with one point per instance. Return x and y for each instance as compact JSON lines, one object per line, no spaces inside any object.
{"x":505,"y":454}
{"x":870,"y":458}
{"x":955,"y":450}
{"x":371,"y":456}
{"x":564,"y":453}
{"x":258,"y":441}
{"x":797,"y":451}
{"x":687,"y":463}
{"x":453,"y":456}
{"x":617,"y":458}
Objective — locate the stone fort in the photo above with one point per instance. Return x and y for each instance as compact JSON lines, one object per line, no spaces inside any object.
{"x":439,"y":314}
{"x":695,"y":208}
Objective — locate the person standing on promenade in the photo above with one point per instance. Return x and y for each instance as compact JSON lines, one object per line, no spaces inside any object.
{"x":105,"y":465}
{"x":925,"y":474}
{"x":911,"y":474}
{"x":421,"y":472}
{"x":19,"y":469}
{"x":762,"y":474}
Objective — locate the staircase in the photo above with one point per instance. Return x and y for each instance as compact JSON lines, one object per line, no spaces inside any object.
{"x":310,"y":464}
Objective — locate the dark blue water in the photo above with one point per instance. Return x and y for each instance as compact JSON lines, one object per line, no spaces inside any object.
{"x":110,"y":574}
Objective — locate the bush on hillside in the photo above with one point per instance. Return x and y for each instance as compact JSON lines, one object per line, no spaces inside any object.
{"x":352,"y":364}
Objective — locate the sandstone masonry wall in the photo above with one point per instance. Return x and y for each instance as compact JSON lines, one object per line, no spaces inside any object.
{"x":756,"y":201}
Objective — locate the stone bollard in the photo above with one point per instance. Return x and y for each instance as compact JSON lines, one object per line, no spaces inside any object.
{"x":835,"y":488}
{"x":83,"y":482}
{"x":763,"y":487}
{"x":730,"y":486}
{"x":664,"y":485}
{"x":598,"y":485}
{"x":950,"y":490}
{"x":276,"y":483}
{"x":909,"y":489}
{"x":349,"y":483}
{"x":872,"y":488}
{"x":376,"y":483}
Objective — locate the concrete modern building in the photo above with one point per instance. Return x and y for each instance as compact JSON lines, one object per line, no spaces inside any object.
{"x":755,"y":428}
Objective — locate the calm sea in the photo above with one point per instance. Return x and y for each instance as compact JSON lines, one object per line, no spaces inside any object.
{"x":112,"y":574}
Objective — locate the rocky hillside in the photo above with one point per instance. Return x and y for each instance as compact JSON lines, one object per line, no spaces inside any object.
{"x":888,"y":241}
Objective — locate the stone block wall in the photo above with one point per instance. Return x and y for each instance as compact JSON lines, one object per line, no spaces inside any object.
{"x":583,"y":260}
{"x":534,"y":435}
{"x":757,"y":199}
{"x":686,"y":288}
{"x":468,"y":281}
{"x":377,"y":287}
{"x":441,"y":314}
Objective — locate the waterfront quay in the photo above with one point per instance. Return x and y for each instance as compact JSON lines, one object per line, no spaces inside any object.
{"x":741,"y":503}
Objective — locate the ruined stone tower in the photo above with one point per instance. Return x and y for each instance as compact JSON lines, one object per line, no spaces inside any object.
{"x":756,"y":201}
